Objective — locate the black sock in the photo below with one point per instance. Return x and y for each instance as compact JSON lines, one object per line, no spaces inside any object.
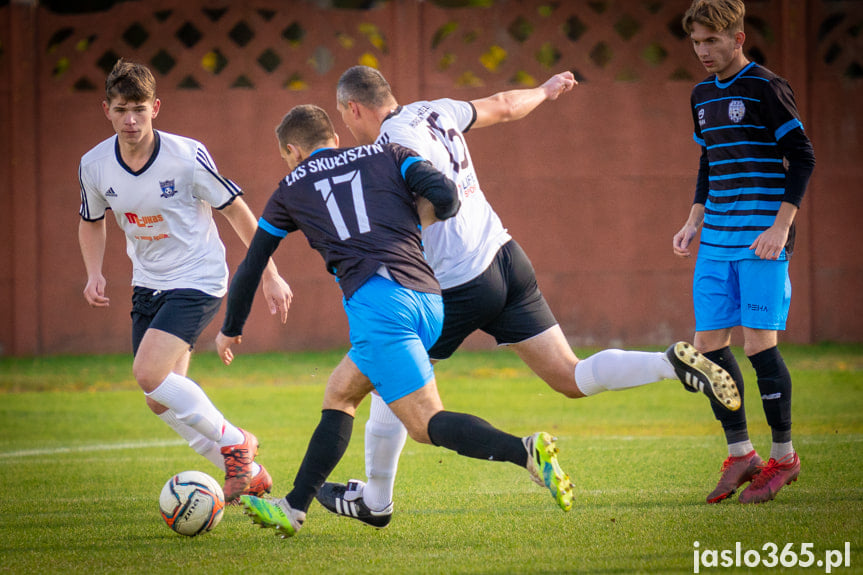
{"x":326,"y":448}
{"x":774,"y":382}
{"x":733,"y":422}
{"x":474,"y":437}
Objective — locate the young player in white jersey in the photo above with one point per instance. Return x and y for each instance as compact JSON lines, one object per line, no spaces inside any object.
{"x":161,"y":188}
{"x":488,"y":282}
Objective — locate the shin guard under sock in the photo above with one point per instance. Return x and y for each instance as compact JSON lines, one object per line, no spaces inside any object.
{"x":774,"y":383}
{"x":471,"y":436}
{"x":733,"y":422}
{"x":326,"y":448}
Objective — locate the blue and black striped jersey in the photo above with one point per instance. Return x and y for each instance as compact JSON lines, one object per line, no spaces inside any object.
{"x":741,"y":124}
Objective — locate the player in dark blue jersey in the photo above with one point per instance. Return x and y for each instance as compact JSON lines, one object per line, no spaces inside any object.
{"x":755,"y":165}
{"x":358,"y":208}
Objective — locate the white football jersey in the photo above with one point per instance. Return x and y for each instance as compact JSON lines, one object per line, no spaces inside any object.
{"x":165,"y":211}
{"x":460,"y":248}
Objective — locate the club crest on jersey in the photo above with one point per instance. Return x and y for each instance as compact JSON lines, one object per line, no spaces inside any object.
{"x":168,"y":189}
{"x":736,"y":110}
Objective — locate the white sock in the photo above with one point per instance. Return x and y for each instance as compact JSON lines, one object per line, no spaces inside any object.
{"x":190,"y":405}
{"x":230,"y":435}
{"x":615,"y":369}
{"x":740,"y":448}
{"x":203,"y":446}
{"x":213,"y":453}
{"x":385,"y":438}
{"x":780,"y":450}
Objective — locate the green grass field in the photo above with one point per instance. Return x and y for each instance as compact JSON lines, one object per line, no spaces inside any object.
{"x":84,"y":461}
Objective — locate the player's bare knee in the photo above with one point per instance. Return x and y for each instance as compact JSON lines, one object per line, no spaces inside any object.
{"x":419,"y":434}
{"x":148,"y":378}
{"x":155,"y":406}
{"x":342,"y":400}
{"x":417,"y":428}
{"x":570,"y":391}
{"x":564,"y":384}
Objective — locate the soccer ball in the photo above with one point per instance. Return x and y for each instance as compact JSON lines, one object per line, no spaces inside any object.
{"x":192,"y":502}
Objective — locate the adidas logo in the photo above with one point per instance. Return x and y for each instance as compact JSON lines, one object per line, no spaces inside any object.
{"x":346,"y":507}
{"x":694,"y":382}
{"x":110,"y":193}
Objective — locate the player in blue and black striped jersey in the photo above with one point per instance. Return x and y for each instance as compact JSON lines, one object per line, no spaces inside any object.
{"x":358,"y":208}
{"x":755,"y":165}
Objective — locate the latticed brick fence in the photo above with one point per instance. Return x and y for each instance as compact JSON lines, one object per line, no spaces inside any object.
{"x":593,"y":186}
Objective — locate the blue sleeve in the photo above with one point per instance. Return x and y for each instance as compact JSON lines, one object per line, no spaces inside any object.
{"x":407,"y":164}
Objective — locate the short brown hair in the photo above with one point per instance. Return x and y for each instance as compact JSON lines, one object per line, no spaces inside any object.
{"x":132,"y":81}
{"x":306,"y":126}
{"x":718,"y":15}
{"x":364,"y":85}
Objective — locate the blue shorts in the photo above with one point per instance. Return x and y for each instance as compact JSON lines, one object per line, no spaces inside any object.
{"x":751,"y":293}
{"x":392,"y":329}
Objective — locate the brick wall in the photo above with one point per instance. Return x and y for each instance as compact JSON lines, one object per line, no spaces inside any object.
{"x":593,"y":186}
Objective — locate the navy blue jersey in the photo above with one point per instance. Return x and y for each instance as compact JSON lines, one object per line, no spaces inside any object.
{"x":356,"y":210}
{"x":741,"y":123}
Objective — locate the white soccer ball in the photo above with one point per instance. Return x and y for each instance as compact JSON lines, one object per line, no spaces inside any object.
{"x":192,"y":502}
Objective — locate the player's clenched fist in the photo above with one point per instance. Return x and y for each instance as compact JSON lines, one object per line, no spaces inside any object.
{"x":558,"y":84}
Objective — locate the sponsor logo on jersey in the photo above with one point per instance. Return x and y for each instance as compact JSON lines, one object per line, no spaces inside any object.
{"x":110,"y":193}
{"x":701,"y":120}
{"x":420,"y":116}
{"x":143,"y":221}
{"x":152,"y":238}
{"x":468,"y":185}
{"x":736,"y":110}
{"x":168,"y":189}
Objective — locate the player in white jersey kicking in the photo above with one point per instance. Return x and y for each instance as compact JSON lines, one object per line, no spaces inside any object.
{"x":161,"y":188}
{"x":487,"y":280}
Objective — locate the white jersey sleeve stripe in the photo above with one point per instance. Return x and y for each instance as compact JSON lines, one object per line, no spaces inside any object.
{"x":84,"y":211}
{"x":232,"y":188}
{"x":205,"y":159}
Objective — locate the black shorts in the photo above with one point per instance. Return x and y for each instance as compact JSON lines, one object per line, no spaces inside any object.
{"x":504,"y":301}
{"x":181,"y":312}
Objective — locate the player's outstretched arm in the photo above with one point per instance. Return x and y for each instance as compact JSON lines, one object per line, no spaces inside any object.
{"x":277,"y":292}
{"x":223,"y":346}
{"x":242,"y":292}
{"x":516,"y":104}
